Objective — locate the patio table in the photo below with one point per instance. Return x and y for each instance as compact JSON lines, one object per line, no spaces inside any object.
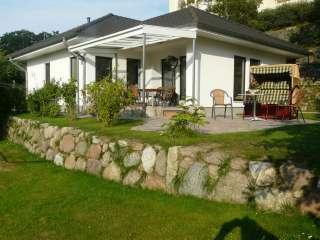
{"x":254,"y":107}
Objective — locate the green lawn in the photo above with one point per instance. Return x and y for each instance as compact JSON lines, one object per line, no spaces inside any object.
{"x":299,"y":144}
{"x":41,"y":201}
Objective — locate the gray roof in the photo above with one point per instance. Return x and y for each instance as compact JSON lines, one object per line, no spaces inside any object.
{"x":187,"y":17}
{"x":105,"y":25}
{"x":206,"y":21}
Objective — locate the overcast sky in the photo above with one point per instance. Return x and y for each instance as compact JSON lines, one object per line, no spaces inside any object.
{"x":61,"y":15}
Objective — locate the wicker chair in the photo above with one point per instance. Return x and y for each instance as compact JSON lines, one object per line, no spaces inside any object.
{"x":221,"y":98}
{"x":296,"y":98}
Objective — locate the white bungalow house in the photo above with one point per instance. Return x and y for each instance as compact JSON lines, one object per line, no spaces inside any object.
{"x":212,"y":53}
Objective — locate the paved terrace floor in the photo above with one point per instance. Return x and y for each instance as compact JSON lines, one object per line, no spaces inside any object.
{"x":227,"y":125}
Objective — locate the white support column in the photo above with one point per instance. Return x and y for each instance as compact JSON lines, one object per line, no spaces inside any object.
{"x":116,"y":66}
{"x":194,"y":68}
{"x":144,"y":68}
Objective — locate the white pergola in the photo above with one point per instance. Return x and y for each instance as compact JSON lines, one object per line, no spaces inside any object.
{"x":141,"y":36}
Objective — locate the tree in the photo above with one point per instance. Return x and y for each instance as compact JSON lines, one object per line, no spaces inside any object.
{"x":14,"y":41}
{"x":245,"y":11}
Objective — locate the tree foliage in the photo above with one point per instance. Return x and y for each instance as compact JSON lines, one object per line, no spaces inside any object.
{"x":14,"y":41}
{"x":69,"y":94}
{"x":245,"y":11}
{"x":285,"y":15}
{"x":109,"y":98}
{"x":45,"y":101}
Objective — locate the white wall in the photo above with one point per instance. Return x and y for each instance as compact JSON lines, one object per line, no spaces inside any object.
{"x":59,"y":69}
{"x":215,"y":67}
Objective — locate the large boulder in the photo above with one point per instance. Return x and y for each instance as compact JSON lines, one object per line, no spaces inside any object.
{"x":161,"y":163}
{"x":112,"y":172}
{"x":194,"y":182}
{"x":49,"y":132}
{"x":263,"y":173}
{"x":148,"y":159}
{"x":58,"y":160}
{"x":172,"y":167}
{"x":215,"y":157}
{"x":94,"y":151}
{"x":81,"y":148}
{"x":67,"y":143}
{"x":132,"y":159}
{"x":231,"y":188}
{"x":50,"y":154}
{"x":94,"y":167}
{"x":107,"y":158}
{"x":239,"y":164}
{"x":297,"y":179}
{"x":70,"y":162}
{"x":273,"y":199}
{"x":154,"y":182}
{"x":132,"y":178}
{"x":81,"y":164}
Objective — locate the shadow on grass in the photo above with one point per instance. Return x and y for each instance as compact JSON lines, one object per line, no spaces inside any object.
{"x":299,"y":145}
{"x":249,"y":230}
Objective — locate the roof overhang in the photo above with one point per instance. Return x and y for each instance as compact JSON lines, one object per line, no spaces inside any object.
{"x":46,"y":50}
{"x":248,"y":44}
{"x":133,"y":37}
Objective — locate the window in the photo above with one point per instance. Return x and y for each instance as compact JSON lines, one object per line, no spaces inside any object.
{"x":103,"y":67}
{"x":239,"y":77}
{"x":73,"y":68}
{"x":255,"y":62}
{"x":48,"y":72}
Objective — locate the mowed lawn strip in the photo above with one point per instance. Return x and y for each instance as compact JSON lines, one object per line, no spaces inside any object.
{"x":41,"y":201}
{"x":299,"y":143}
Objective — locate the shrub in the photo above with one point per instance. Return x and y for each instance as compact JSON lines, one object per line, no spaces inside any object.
{"x":285,"y":15}
{"x":185,"y":123}
{"x":69,"y":94}
{"x":311,"y":100}
{"x":108,"y":98}
{"x":45,"y":101}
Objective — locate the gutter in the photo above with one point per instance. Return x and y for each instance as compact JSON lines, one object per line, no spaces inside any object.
{"x":22,"y":69}
{"x":78,"y":56}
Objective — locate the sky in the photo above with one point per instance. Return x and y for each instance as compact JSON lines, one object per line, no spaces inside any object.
{"x":61,"y":15}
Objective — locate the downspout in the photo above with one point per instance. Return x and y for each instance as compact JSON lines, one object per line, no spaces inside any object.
{"x":22,"y":69}
{"x":78,"y":56}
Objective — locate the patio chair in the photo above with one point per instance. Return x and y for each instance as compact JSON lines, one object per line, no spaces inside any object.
{"x":295,"y":106}
{"x":135,"y":93}
{"x":221,"y":98}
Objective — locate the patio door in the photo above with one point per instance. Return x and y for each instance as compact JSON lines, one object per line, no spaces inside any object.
{"x":168,"y":75}
{"x":183,"y":73}
{"x":133,"y":66}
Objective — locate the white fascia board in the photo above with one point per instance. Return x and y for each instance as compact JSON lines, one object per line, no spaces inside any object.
{"x":108,"y":38}
{"x":168,"y":31}
{"x":43,"y":51}
{"x":237,"y":41}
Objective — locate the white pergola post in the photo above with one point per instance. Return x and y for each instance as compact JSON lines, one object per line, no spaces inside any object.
{"x":194,"y":68}
{"x":116,"y":66}
{"x":144,"y":68}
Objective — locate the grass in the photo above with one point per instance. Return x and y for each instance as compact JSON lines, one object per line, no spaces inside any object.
{"x":41,"y":201}
{"x":299,"y":144}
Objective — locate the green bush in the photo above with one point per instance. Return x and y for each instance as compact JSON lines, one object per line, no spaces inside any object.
{"x":45,"y":101}
{"x":311,"y":100}
{"x":285,"y":15}
{"x":188,"y":119}
{"x":69,"y":94}
{"x":107,"y":98}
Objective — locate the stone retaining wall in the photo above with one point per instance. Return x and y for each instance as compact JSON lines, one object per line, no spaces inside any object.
{"x":203,"y":170}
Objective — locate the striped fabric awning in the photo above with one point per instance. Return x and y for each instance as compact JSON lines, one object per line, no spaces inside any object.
{"x":272,"y":69}
{"x":291,"y":69}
